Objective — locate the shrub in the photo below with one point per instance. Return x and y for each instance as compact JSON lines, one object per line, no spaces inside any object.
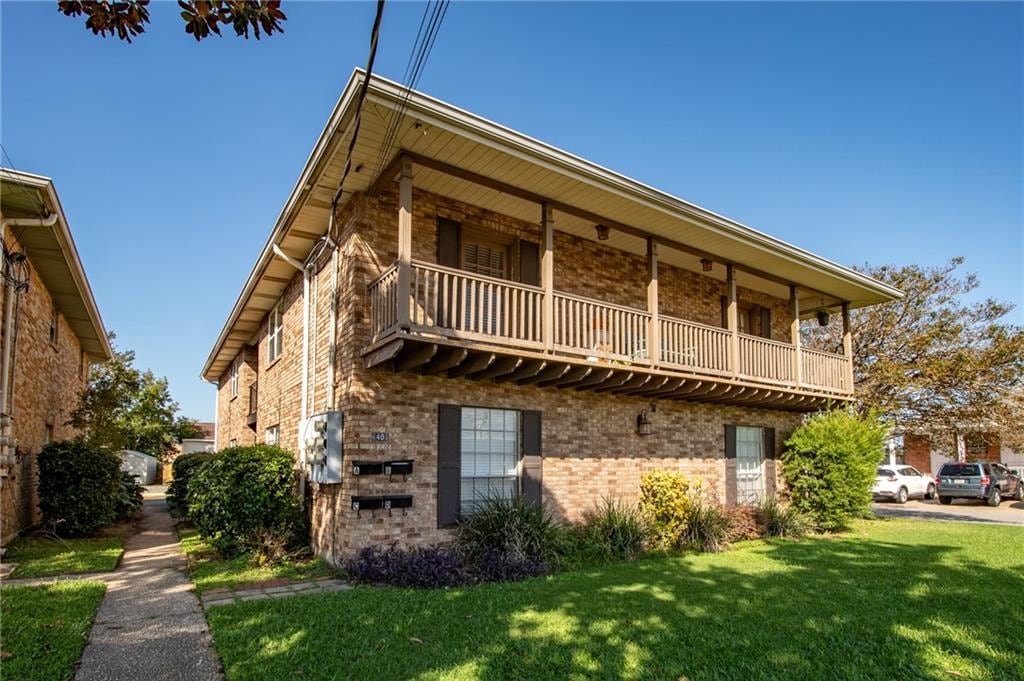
{"x":743,"y":522}
{"x":829,"y":464}
{"x":78,"y":487}
{"x":507,"y":539}
{"x":611,"y":531}
{"x":708,"y":526}
{"x":428,"y":567}
{"x":665,"y":505}
{"x":181,"y":471}
{"x":239,"y":496}
{"x":781,"y":520}
{"x":128,"y":501}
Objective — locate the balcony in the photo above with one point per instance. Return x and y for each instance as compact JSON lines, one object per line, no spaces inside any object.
{"x":463,"y":324}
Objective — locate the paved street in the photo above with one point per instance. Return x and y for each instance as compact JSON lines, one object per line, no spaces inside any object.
{"x":1011,"y":512}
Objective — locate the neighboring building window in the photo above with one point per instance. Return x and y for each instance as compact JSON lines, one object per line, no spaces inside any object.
{"x":976,"y":444}
{"x":750,"y":456}
{"x":234,"y":377}
{"x":273,"y":435}
{"x":53,"y":325}
{"x":274,"y":333}
{"x":48,"y":437}
{"x":489,"y":456}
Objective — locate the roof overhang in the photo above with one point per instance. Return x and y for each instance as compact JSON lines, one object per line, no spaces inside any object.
{"x":432,"y":129}
{"x":54,"y":257}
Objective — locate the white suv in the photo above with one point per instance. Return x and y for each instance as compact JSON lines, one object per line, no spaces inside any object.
{"x":901,"y":483}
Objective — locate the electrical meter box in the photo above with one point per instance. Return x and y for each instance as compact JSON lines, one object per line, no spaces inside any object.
{"x":322,"y":447}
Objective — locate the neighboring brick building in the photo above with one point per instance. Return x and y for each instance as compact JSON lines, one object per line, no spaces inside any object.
{"x":53,"y":330}
{"x":514,"y":319}
{"x":927,"y":453}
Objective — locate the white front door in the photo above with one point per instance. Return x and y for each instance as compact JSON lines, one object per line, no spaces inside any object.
{"x":749,"y":465}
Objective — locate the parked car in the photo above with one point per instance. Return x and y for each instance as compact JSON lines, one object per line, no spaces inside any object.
{"x":978,"y":480}
{"x":901,"y":483}
{"x":1016,"y":469}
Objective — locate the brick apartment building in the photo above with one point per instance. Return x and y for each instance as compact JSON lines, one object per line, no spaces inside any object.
{"x":515,"y":320}
{"x":927,"y":453}
{"x":50,"y":334}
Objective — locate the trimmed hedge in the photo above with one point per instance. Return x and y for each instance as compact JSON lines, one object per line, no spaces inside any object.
{"x":829,"y":464}
{"x":245,"y":495}
{"x":181,"y":472}
{"x":79,"y":487}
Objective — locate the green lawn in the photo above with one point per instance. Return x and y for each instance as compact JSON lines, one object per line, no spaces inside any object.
{"x":893,"y":599}
{"x":209,"y":571}
{"x":43,"y":629}
{"x":44,"y":556}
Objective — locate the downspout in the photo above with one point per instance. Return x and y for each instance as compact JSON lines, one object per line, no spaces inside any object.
{"x":305,"y":355}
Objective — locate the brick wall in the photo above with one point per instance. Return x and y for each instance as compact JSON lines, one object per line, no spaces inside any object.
{"x":917,"y":452}
{"x":591,"y":448}
{"x":48,"y":378}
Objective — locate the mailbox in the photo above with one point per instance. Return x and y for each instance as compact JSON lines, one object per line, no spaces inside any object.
{"x":403,"y":467}
{"x":398,"y":501}
{"x":367,"y":468}
{"x":367,"y":503}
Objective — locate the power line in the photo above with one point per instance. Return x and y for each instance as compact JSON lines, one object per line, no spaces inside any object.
{"x":418,"y":57}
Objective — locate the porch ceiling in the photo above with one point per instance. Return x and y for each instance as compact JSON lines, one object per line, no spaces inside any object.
{"x":436,"y":130}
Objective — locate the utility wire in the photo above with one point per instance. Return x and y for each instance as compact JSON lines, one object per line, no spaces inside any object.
{"x":418,"y":57}
{"x":374,"y":37}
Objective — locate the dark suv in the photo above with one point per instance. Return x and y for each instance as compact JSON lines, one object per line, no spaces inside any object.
{"x":979,"y":480}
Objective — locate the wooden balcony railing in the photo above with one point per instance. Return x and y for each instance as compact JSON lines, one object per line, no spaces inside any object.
{"x":766,"y":359}
{"x":825,"y":370}
{"x":457,"y":304}
{"x":463,"y":305}
{"x":600,"y":330}
{"x":695,"y":346}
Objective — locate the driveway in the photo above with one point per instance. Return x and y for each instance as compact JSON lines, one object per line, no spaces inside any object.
{"x":1009,"y":512}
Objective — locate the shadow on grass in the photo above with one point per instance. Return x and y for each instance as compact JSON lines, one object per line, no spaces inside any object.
{"x":844,"y":608}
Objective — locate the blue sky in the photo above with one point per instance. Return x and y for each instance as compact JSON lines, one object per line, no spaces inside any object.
{"x":873,"y":132}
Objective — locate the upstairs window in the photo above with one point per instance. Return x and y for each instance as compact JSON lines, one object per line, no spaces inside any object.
{"x":274,"y":333}
{"x":53,"y":325}
{"x":234,"y":377}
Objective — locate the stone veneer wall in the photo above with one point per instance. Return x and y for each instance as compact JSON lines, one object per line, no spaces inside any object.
{"x":590,"y":445}
{"x":48,"y":378}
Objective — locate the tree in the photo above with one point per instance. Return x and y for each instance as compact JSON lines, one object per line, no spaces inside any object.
{"x":128,"y":18}
{"x":933,"y":362}
{"x":122,"y":407}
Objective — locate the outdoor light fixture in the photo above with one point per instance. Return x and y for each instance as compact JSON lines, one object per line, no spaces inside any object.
{"x":643,"y":424}
{"x":602,"y":232}
{"x":822,"y":317}
{"x":705,"y":264}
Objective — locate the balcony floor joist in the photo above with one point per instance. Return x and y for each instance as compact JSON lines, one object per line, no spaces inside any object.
{"x":428,"y":355}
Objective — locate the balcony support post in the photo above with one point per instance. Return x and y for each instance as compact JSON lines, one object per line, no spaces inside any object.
{"x":547,"y":275}
{"x":732,"y":319}
{"x":404,"y":244}
{"x":794,"y":334}
{"x":848,"y":346}
{"x":654,"y":332}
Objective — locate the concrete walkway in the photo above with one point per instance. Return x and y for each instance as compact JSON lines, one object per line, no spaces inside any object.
{"x":150,"y":625}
